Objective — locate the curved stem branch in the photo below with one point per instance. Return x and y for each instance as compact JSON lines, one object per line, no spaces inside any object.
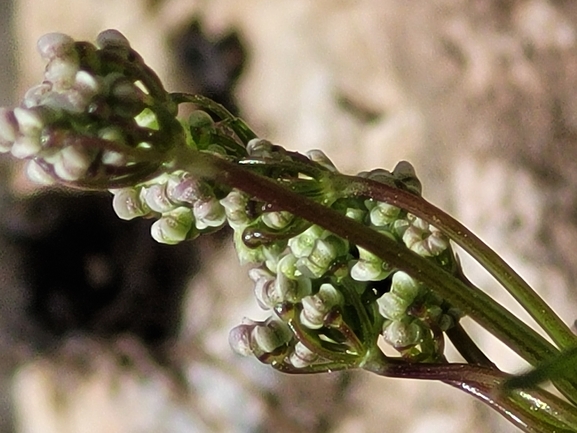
{"x":541,"y":312}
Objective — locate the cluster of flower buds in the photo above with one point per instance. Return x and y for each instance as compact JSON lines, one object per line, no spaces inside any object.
{"x":414,"y":316}
{"x":310,"y":277}
{"x":99,"y":118}
{"x":102,"y":119}
{"x":183,"y":205}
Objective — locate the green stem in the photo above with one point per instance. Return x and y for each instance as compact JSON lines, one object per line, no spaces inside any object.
{"x":533,"y":410}
{"x":541,"y":312}
{"x":237,"y":124}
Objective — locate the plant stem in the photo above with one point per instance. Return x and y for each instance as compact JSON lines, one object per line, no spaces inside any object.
{"x":541,"y":312}
{"x":530,"y":410}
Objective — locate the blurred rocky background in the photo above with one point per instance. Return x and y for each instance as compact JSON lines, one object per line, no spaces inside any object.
{"x":101,"y":330}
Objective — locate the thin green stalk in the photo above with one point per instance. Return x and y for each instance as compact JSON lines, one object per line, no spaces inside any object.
{"x":541,"y":312}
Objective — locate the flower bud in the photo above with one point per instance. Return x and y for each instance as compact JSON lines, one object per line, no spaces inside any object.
{"x":235,"y":208}
{"x":259,"y":148}
{"x":405,"y":286}
{"x":37,"y":174}
{"x":316,"y":307}
{"x":393,"y":306}
{"x":73,"y":162}
{"x":156,"y":198}
{"x":112,"y":39}
{"x":355,"y":214}
{"x":405,"y":172}
{"x":26,"y":146}
{"x":303,"y":244}
{"x":61,"y":72}
{"x":30,"y":120}
{"x":8,"y":129}
{"x":302,"y":356}
{"x":271,"y":335}
{"x":369,"y":267}
{"x":128,"y":205}
{"x":209,"y":213}
{"x":277,"y":220}
{"x":173,"y":227}
{"x":322,"y":159}
{"x":402,"y":334}
{"x":53,"y":45}
{"x":382,"y":214}
{"x":239,"y":339}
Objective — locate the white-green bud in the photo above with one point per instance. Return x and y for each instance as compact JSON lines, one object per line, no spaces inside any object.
{"x":382,"y":214}
{"x":402,"y":334}
{"x":405,"y":286}
{"x":61,"y":72}
{"x":271,"y":335}
{"x":392,"y":306}
{"x":302,"y":356}
{"x":355,"y":214}
{"x":277,"y":220}
{"x":173,"y":227}
{"x":303,"y":244}
{"x":30,"y":120}
{"x":259,"y":148}
{"x":156,"y":198}
{"x":128,"y":205}
{"x":209,"y":213}
{"x":235,"y":208}
{"x":369,"y":267}
{"x":322,"y":159}
{"x":287,"y":265}
{"x":316,"y":307}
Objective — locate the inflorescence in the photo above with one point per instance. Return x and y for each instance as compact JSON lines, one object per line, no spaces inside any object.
{"x":101,"y":119}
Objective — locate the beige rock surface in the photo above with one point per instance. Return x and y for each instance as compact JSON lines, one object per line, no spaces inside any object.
{"x":478,"y":95}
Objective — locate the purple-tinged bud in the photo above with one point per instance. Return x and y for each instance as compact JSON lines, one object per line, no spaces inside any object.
{"x":209,"y":213}
{"x":156,"y":198}
{"x":61,"y":73}
{"x":235,"y":207}
{"x":302,"y":356}
{"x":183,"y":188}
{"x":8,"y":129}
{"x":73,"y":163}
{"x":37,"y":174}
{"x":112,"y":39}
{"x":26,"y":146}
{"x":30,"y":120}
{"x":53,"y":45}
{"x":36,"y":95}
{"x":240,"y":339}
